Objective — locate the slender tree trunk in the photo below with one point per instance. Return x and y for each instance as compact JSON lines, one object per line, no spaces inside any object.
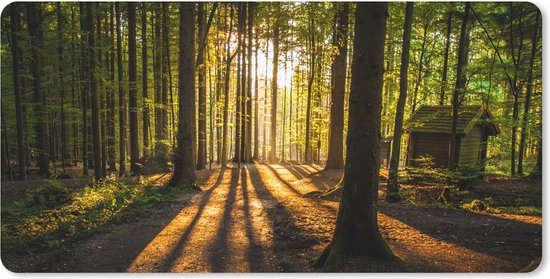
{"x":420,"y":67}
{"x":132,"y":89}
{"x":84,"y":85}
{"x":256,"y":100}
{"x":111,"y":103}
{"x":446,"y":59}
{"x":121,"y":95}
{"x":393,"y":184}
{"x":201,"y":149}
{"x":184,"y":157}
{"x":34,"y":19}
{"x":101,"y":91}
{"x":335,"y":158}
{"x":61,"y":84}
{"x":248,"y":120}
{"x":307,"y":150}
{"x":460,"y":86}
{"x":226,"y":92}
{"x":357,"y":233}
{"x":528,"y":94}
{"x":144,"y":80}
{"x":96,"y":140}
{"x":273,"y":133}
{"x":14,"y":24}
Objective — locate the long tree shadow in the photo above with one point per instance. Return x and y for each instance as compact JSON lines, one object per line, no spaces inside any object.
{"x":297,"y":172}
{"x":501,"y":238}
{"x":117,"y":253}
{"x":288,"y":238}
{"x":254,"y":251}
{"x":218,"y":250}
{"x":296,"y":192}
{"x":170,"y":259}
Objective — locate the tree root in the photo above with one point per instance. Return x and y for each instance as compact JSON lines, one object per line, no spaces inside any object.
{"x":333,"y":257}
{"x":334,"y":191}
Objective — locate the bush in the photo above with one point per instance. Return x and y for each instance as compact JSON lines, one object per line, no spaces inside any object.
{"x":427,"y":173}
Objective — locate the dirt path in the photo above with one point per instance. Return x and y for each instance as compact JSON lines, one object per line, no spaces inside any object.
{"x":254,"y":219}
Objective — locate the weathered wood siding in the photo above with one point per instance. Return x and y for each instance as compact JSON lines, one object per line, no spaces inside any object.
{"x":430,"y":144}
{"x":470,"y":147}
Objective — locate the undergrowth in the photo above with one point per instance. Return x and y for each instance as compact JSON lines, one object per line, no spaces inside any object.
{"x":52,"y":215}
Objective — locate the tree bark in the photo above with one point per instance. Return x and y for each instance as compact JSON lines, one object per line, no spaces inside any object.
{"x":248,"y":119}
{"x":273,"y":132}
{"x":335,"y":158}
{"x":528,"y":94}
{"x":460,"y":85}
{"x":96,"y":140}
{"x":446,"y":59}
{"x":227,"y":74}
{"x":307,"y":150}
{"x":144,"y":80}
{"x":392,"y":194}
{"x":132,"y":89}
{"x":357,"y":233}
{"x":184,"y":158}
{"x":14,"y":24}
{"x":121,"y":95}
{"x":34,"y":19}
{"x":201,"y":149}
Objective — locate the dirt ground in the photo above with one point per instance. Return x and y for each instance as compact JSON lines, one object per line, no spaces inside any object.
{"x":256,"y":220}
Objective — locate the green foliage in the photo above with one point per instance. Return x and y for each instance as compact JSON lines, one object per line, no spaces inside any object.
{"x":62,"y":216}
{"x":427,"y":173}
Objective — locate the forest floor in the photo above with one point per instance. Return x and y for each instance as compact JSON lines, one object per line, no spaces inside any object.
{"x":254,"y":219}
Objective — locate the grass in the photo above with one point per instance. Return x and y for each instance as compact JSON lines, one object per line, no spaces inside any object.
{"x":52,"y":215}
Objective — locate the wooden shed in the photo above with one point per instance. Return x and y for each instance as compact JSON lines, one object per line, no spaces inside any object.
{"x":429,"y":130}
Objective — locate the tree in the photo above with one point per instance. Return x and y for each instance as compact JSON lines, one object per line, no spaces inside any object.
{"x":132,"y":89}
{"x":393,"y":184}
{"x":335,"y":158}
{"x":201,"y":150}
{"x":184,"y":157}
{"x":121,"y":95}
{"x":96,"y":140}
{"x":528,"y":93}
{"x":34,"y":20}
{"x":248,"y":100}
{"x":357,"y":232}
{"x":446,"y":59}
{"x":228,"y":60}
{"x":460,"y":85}
{"x":273,"y":133}
{"x":144,"y":80}
{"x":14,"y":24}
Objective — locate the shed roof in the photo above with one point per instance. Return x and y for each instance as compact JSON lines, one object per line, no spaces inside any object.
{"x":438,"y":119}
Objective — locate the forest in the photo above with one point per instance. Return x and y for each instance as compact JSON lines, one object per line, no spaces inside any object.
{"x":271,"y":136}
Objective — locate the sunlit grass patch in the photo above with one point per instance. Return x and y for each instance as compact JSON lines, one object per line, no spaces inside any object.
{"x":52,"y":215}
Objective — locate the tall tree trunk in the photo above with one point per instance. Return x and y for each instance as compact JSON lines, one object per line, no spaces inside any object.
{"x":144,"y":80}
{"x":111,"y":103}
{"x":335,"y":158}
{"x":307,"y":150}
{"x":162,"y":135}
{"x":61,"y":84}
{"x":446,"y":59}
{"x":101,"y":91}
{"x":528,"y":94}
{"x":273,"y":133}
{"x":84,"y":85}
{"x":264,"y":132}
{"x":34,"y":20}
{"x":420,"y":67}
{"x":393,"y":184}
{"x":256,"y":99}
{"x":96,"y":140}
{"x":184,"y":157}
{"x":357,"y":233}
{"x":227,"y":74}
{"x":201,"y":149}
{"x":536,"y":173}
{"x":132,"y":89}
{"x":248,"y":120}
{"x":460,"y":86}
{"x":121,"y":95}
{"x":14,"y":24}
